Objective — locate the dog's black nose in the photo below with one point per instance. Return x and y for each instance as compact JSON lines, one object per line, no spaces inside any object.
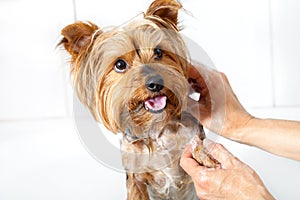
{"x":155,"y":83}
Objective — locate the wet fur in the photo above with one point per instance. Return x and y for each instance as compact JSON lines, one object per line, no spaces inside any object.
{"x":152,"y":142}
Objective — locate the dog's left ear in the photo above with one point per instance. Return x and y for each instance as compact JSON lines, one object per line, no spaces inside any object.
{"x":166,"y":10}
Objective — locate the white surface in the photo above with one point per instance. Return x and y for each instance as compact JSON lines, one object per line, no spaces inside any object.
{"x":45,"y":159}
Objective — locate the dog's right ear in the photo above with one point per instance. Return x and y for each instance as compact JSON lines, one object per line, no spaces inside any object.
{"x":167,"y":10}
{"x":77,"y":36}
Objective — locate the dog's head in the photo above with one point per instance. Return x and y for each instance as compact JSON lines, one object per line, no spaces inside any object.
{"x":133,"y":78}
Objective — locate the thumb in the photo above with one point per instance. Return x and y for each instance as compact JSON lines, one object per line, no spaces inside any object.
{"x":200,"y":111}
{"x":220,"y":153}
{"x":188,"y":163}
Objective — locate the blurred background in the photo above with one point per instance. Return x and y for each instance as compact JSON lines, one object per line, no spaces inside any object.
{"x":254,"y":42}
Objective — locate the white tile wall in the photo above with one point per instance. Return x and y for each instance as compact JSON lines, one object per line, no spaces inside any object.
{"x":286,"y":50}
{"x":32,"y":78}
{"x":109,"y":14}
{"x":255,"y":42}
{"x":236,"y":35}
{"x":237,"y":38}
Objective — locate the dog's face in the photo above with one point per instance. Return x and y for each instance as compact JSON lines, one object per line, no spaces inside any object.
{"x":133,"y":78}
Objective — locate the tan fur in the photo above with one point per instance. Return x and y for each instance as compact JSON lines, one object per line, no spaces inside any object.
{"x":152,"y":142}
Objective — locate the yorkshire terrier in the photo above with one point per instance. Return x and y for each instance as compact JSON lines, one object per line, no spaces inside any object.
{"x":134,"y":79}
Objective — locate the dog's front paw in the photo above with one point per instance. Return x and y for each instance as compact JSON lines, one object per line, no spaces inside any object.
{"x":201,"y":154}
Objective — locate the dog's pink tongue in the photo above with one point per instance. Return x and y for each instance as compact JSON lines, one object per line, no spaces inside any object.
{"x":156,"y":103}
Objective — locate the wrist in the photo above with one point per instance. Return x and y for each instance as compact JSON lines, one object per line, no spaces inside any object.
{"x":244,"y":129}
{"x":266,"y":195}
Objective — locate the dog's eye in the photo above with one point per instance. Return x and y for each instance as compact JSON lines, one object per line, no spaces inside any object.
{"x":120,"y":66}
{"x":158,"y":53}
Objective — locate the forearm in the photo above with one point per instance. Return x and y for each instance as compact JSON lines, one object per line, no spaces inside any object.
{"x":280,"y":137}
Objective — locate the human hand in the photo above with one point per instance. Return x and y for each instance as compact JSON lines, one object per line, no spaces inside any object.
{"x":218,"y":108}
{"x":233,"y":180}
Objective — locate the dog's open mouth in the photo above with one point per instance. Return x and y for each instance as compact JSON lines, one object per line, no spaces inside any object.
{"x":156,"y":104}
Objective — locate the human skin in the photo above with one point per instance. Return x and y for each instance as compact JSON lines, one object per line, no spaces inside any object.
{"x":220,"y":111}
{"x":232,"y":180}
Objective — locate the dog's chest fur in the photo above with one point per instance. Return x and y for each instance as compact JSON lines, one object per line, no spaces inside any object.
{"x":134,"y":80}
{"x":171,"y":184}
{"x":154,"y":161}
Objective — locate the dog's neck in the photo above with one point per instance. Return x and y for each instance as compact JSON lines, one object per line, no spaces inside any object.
{"x":157,"y":156}
{"x":154,"y":130}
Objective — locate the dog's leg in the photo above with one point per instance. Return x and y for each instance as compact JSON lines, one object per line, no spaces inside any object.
{"x":202,"y":155}
{"x":199,"y":152}
{"x":136,"y":189}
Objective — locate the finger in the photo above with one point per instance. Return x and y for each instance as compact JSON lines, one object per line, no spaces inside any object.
{"x":196,"y":69}
{"x":197,"y":74}
{"x":203,"y":79}
{"x":193,"y":72}
{"x":224,"y":77}
{"x":187,"y":153}
{"x":200,"y":111}
{"x":219,"y":152}
{"x":188,"y":163}
{"x":198,"y":107}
